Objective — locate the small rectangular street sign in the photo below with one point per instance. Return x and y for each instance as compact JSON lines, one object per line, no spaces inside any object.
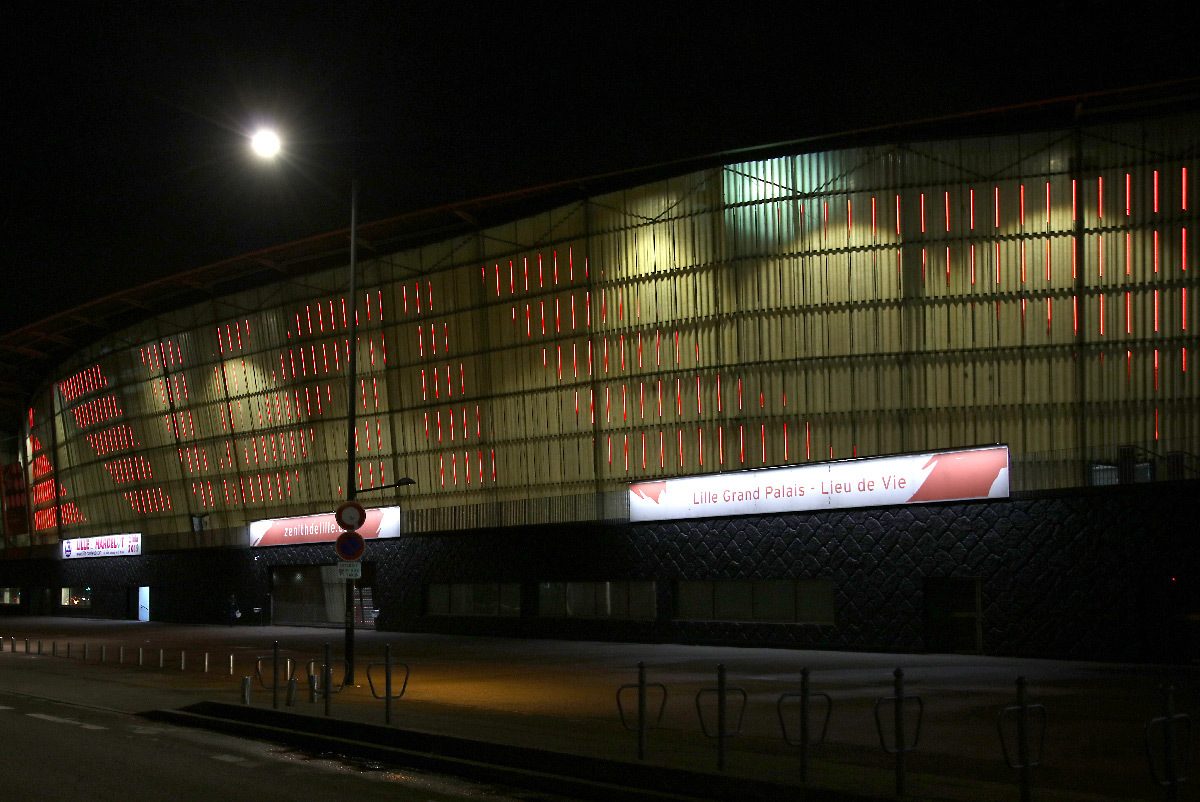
{"x":349,"y":570}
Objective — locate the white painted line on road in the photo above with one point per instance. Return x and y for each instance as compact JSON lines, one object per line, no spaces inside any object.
{"x":5,"y":707}
{"x":229,"y":758}
{"x":57,"y":720}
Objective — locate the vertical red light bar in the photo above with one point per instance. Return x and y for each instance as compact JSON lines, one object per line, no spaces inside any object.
{"x":1100,"y":197}
{"x":897,"y":215}
{"x":971,"y":198}
{"x":996,"y":204}
{"x":1074,"y":200}
{"x":873,"y":216}
{"x":922,"y":212}
{"x":1156,"y":191}
{"x":1022,"y":214}
{"x":1183,"y":189}
{"x":1155,"y":255}
{"x":1128,"y":193}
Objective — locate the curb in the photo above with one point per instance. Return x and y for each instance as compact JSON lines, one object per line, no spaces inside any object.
{"x":525,"y":767}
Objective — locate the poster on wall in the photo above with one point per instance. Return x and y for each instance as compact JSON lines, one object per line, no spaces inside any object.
{"x":382,"y":522}
{"x":103,"y":546}
{"x":963,"y":474}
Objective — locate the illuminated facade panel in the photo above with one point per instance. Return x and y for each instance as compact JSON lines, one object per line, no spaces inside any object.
{"x":1033,"y":290}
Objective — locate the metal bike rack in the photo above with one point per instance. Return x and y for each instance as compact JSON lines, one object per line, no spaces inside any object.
{"x":1176,"y":735}
{"x":897,"y":699}
{"x":387,"y":696}
{"x":805,"y":740}
{"x":641,"y":726}
{"x":1026,"y":758}
{"x":722,"y":732}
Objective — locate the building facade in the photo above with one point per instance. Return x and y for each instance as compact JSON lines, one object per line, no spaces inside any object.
{"x":1034,"y":289}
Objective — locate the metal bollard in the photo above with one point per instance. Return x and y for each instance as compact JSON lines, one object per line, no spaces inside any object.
{"x":231,"y":665}
{"x":206,"y":662}
{"x":327,"y":681}
{"x":85,"y":652}
{"x":1025,"y":760}
{"x":39,"y":647}
{"x":141,"y":656}
{"x":68,"y":650}
{"x":182,"y":660}
{"x":806,"y":740}
{"x":312,"y":689}
{"x":245,"y":690}
{"x":103,"y":653}
{"x":162,"y":658}
{"x":120,"y":655}
{"x":901,"y":747}
{"x":54,"y":648}
{"x":290,"y":701}
{"x":275,"y":676}
{"x":1176,"y":731}
{"x":641,"y":727}
{"x":27,"y":646}
{"x":723,"y":732}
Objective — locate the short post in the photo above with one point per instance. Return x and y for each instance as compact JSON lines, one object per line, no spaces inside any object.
{"x":68,"y":650}
{"x":141,"y":656}
{"x":900,"y":742}
{"x":39,"y":646}
{"x":103,"y":653}
{"x":27,"y":646}
{"x":641,"y":721}
{"x":721,"y":722}
{"x":1176,"y":739}
{"x":275,"y":676}
{"x":182,"y":660}
{"x":231,"y":665}
{"x":245,"y":690}
{"x":54,"y":648}
{"x":291,"y":693}
{"x":85,"y":652}
{"x":162,"y":658}
{"x":327,"y":680}
{"x":1023,"y":738}
{"x":898,"y":690}
{"x":312,"y":689}
{"x":387,"y":683}
{"x":120,"y":655}
{"x":206,"y":662}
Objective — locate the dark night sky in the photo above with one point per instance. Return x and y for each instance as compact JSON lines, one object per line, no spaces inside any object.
{"x":124,"y":154}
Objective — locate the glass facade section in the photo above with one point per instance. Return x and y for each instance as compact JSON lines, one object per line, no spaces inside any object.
{"x":1037,"y":290}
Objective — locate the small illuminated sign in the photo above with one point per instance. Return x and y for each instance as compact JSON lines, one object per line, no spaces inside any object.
{"x":974,"y":473}
{"x":103,"y":546}
{"x":383,"y":522}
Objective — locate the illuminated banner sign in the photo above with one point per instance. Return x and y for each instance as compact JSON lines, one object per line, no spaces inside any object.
{"x":385,"y":522}
{"x":909,"y":479}
{"x":105,"y":546}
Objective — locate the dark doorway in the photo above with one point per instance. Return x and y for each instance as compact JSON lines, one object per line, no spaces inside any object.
{"x":312,"y":595}
{"x":953,"y":615}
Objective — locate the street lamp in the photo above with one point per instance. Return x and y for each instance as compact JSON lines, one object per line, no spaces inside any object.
{"x":267,"y":144}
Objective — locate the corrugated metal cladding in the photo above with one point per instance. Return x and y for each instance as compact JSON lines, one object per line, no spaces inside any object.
{"x":1037,"y":290}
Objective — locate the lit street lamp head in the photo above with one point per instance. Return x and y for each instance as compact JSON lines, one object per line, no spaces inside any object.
{"x":265,"y":143}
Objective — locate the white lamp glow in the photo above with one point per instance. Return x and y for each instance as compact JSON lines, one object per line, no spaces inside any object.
{"x":265,"y":143}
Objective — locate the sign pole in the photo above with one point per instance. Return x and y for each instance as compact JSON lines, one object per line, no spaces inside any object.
{"x":351,"y":378}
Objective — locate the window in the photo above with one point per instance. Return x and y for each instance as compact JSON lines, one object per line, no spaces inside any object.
{"x":475,"y":599}
{"x":76,"y":597}
{"x":10,"y":595}
{"x":625,"y":600}
{"x":805,"y":601}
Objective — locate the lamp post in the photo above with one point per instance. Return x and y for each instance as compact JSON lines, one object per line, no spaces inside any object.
{"x":266,"y":144}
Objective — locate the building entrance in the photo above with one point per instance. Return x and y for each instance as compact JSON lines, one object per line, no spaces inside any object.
{"x":953,"y":615}
{"x":312,"y":595}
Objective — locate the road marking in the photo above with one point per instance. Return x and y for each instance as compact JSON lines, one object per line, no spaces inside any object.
{"x":5,"y":707}
{"x":57,"y":720}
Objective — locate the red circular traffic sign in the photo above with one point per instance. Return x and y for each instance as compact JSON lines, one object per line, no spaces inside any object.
{"x":350,"y":546}
{"x":350,"y":516}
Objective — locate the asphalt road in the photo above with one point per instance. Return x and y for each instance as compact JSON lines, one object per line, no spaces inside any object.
{"x":559,"y":696}
{"x":64,"y":751}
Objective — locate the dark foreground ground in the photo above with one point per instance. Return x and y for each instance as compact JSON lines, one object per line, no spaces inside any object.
{"x":559,"y":698}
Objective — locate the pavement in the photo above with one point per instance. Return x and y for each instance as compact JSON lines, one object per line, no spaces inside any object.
{"x":543,"y":713}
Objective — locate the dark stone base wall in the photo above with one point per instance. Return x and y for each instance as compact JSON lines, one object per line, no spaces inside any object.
{"x":1100,"y":574}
